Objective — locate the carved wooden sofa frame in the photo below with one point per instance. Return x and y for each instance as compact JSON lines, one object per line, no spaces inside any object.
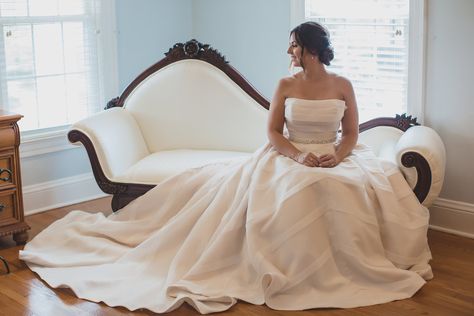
{"x":422,"y":162}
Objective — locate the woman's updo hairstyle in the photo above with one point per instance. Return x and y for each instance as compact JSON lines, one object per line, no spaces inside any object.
{"x":315,"y":38}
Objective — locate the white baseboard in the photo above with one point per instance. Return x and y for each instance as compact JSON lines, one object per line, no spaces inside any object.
{"x":452,"y":217}
{"x":58,"y":193}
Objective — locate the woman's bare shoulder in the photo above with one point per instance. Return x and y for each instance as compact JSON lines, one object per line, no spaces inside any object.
{"x":344,"y":86}
{"x":290,"y":79}
{"x":342,"y":82}
{"x":286,"y":83}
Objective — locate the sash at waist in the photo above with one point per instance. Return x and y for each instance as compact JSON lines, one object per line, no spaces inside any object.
{"x":323,"y":140}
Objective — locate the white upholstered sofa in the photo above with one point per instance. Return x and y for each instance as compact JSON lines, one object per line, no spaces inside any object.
{"x":192,"y":108}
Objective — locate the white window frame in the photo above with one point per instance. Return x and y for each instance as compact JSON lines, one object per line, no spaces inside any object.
{"x":49,"y":140}
{"x":416,"y":52}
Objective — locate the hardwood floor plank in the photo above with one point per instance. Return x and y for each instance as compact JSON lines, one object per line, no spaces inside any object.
{"x":451,"y":292}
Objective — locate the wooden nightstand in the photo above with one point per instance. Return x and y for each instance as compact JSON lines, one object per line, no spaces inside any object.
{"x":11,"y":198}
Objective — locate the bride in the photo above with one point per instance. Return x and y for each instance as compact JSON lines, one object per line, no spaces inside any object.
{"x":310,"y":220}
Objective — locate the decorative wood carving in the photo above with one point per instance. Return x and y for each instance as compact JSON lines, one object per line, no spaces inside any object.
{"x":112,"y":103}
{"x":197,"y":50}
{"x":423,"y":183}
{"x":192,"y":49}
{"x":402,"y":122}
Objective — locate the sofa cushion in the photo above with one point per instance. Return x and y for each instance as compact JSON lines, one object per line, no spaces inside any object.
{"x":214,"y":113}
{"x":161,"y":165}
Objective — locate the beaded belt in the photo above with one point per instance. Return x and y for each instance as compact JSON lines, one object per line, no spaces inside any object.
{"x":312,"y":141}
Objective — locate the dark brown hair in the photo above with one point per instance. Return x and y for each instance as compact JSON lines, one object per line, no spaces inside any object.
{"x":315,"y":38}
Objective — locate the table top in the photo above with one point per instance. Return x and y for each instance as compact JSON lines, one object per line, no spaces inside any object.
{"x":9,"y":116}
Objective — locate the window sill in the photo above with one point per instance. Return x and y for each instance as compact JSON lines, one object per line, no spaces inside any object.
{"x":36,"y":143}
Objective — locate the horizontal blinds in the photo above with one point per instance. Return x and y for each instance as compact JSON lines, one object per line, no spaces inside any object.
{"x":49,"y":60}
{"x":370,"y":40}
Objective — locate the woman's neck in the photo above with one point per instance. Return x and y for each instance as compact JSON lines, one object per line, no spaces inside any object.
{"x":314,"y":71}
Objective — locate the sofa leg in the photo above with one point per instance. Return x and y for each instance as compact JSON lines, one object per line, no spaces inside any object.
{"x":121,"y":200}
{"x":115,"y":203}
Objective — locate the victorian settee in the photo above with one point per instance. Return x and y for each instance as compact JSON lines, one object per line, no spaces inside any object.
{"x":193,"y":108}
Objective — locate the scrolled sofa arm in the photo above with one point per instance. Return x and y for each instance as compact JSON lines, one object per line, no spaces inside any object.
{"x":113,"y":141}
{"x":420,"y":147}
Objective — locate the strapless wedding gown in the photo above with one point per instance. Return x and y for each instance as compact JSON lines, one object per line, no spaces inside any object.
{"x":262,"y":229}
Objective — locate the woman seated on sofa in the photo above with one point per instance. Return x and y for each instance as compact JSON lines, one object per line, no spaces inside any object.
{"x":310,"y":220}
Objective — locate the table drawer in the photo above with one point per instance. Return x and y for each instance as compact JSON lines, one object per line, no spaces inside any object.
{"x":7,"y":208}
{"x":6,"y":171}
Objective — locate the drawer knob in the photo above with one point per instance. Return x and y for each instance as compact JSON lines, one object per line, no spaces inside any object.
{"x":8,"y":177}
{"x":2,"y":206}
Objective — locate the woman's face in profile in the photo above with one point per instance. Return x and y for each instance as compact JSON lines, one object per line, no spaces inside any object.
{"x":294,"y":50}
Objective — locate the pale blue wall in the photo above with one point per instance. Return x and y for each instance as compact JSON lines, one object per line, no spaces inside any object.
{"x":449,"y":105}
{"x":147,"y":29}
{"x":252,"y":34}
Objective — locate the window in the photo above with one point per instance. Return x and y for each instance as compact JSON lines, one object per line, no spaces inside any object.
{"x":51,"y":60}
{"x":372,"y":42}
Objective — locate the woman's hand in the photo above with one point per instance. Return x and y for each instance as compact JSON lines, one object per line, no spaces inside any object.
{"x":307,"y":159}
{"x":329,"y":160}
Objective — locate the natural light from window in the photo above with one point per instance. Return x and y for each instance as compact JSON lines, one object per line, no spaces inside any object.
{"x":370,"y":40}
{"x":48,"y":61}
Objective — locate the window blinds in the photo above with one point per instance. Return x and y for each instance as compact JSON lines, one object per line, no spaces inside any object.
{"x":370,"y":40}
{"x":49,"y":60}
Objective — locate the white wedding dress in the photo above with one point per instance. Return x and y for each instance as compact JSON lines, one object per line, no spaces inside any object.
{"x":262,"y":229}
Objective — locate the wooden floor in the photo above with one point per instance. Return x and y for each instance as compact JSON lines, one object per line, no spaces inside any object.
{"x":451,"y":292}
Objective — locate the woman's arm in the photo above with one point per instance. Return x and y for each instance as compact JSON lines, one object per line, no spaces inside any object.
{"x":276,"y":121}
{"x":349,"y":125}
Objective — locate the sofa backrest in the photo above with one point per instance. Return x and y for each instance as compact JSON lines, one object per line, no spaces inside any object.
{"x":194,"y":105}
